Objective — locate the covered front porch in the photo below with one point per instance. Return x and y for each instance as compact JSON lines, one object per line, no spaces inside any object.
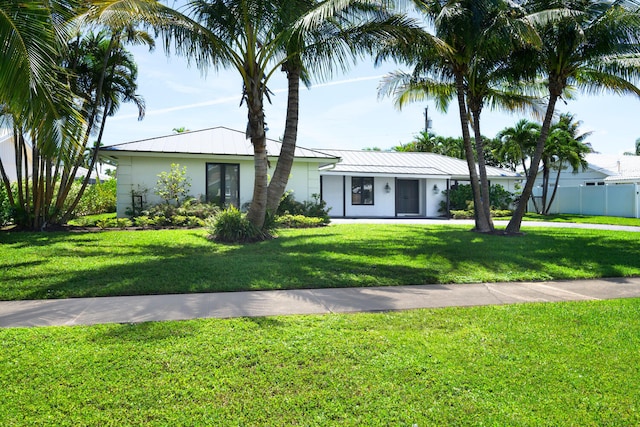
{"x":383,"y":196}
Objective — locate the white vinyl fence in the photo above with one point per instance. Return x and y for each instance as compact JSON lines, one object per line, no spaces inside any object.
{"x":621,"y":200}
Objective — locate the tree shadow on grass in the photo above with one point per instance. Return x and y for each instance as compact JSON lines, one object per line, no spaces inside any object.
{"x":402,"y":255}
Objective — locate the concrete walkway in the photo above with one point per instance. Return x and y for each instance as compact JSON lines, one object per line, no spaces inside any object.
{"x":133,"y":309}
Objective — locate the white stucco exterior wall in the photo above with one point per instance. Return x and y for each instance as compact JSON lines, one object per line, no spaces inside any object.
{"x":336,"y":192}
{"x":140,"y":173}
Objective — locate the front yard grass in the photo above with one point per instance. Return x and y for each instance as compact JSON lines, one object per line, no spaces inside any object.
{"x":83,"y":264}
{"x":528,"y":365}
{"x":581,"y":219}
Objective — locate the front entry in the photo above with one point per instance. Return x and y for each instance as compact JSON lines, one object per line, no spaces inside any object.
{"x":407,"y":197}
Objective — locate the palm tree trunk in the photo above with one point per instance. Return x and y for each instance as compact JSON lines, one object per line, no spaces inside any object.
{"x":258,"y":209}
{"x":287,"y":151}
{"x":555,"y":189}
{"x":482,"y":167}
{"x":94,"y":157}
{"x":516,"y":220}
{"x":482,"y":223}
{"x":545,"y":186}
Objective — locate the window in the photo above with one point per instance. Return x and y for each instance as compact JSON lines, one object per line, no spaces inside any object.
{"x":594,"y":183}
{"x":361,"y":191}
{"x":223,"y":184}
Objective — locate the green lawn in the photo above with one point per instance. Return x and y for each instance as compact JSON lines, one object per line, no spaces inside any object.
{"x":62,"y":264}
{"x":525,"y":365}
{"x":528,"y":364}
{"x":581,"y":219}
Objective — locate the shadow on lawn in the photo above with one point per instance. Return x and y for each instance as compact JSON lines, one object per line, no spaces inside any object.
{"x":403,"y":255}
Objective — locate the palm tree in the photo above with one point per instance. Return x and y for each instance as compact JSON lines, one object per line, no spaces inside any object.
{"x":245,"y":35}
{"x":326,"y":36}
{"x":517,"y":144}
{"x":565,"y":145}
{"x":30,"y":35}
{"x":74,"y":116}
{"x":590,"y":45}
{"x":105,"y":75}
{"x":463,"y":59}
{"x":258,"y":38}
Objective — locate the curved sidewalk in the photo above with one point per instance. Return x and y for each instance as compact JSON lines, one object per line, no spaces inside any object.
{"x":134,"y":309}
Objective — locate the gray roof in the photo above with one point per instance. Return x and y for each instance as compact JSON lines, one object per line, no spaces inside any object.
{"x":218,"y":141}
{"x":396,"y":163}
{"x":617,"y":168}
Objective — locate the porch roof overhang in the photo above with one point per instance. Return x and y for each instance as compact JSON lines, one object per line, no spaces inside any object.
{"x":399,"y":171}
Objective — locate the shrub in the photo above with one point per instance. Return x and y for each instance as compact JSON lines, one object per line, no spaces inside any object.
{"x":298,"y":221}
{"x":97,"y":198}
{"x":461,"y":198}
{"x":123,"y":223}
{"x":142,"y":221}
{"x":178,"y":220}
{"x":232,"y":226}
{"x":191,"y":207}
{"x":173,"y":186}
{"x":501,"y":199}
{"x":106,"y":223}
{"x":289,"y":205}
{"x":469,"y":214}
{"x":6,"y":210}
{"x":315,"y":208}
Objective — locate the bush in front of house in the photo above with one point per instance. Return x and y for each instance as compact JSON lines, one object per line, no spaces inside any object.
{"x":232,"y":226}
{"x":97,"y":198}
{"x":6,"y":210}
{"x":298,"y":221}
{"x":315,"y":208}
{"x":468,"y":214}
{"x":461,"y":200}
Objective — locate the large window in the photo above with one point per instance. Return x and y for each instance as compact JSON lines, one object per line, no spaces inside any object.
{"x":361,"y":190}
{"x":223,"y":184}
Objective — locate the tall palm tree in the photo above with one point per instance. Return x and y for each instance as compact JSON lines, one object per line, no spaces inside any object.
{"x":105,"y":76}
{"x":257,"y":38}
{"x":30,"y":35}
{"x":463,"y":59}
{"x":244,"y":35}
{"x":593,"y":46}
{"x":327,"y":36}
{"x":57,"y":154}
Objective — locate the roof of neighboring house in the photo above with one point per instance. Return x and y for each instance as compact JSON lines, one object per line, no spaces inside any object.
{"x":218,"y":140}
{"x":617,"y":168}
{"x":403,"y":163}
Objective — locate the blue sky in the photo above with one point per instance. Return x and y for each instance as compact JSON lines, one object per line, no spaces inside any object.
{"x":343,"y":113}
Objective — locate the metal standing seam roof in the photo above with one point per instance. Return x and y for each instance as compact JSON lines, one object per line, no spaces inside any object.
{"x":617,"y":168}
{"x":402,"y":163}
{"x":217,"y":141}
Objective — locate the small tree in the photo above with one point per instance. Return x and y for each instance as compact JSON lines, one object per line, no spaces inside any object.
{"x":173,"y":186}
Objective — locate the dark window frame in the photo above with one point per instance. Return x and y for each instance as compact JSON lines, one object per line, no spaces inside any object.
{"x":223,"y":175}
{"x":360,"y":182}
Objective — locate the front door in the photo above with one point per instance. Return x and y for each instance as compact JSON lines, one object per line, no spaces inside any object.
{"x":407,"y":196}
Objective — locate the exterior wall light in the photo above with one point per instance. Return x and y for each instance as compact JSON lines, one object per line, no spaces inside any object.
{"x":436,"y":190}
{"x":387,"y":188}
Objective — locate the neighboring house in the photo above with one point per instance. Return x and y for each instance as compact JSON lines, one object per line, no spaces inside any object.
{"x":609,"y":186}
{"x":218,"y":161}
{"x":396,"y":184}
{"x":8,"y":155}
{"x":8,"y":158}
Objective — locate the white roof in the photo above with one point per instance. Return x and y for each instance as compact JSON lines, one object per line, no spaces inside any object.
{"x":218,"y":140}
{"x":617,"y":168}
{"x":403,"y":163}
